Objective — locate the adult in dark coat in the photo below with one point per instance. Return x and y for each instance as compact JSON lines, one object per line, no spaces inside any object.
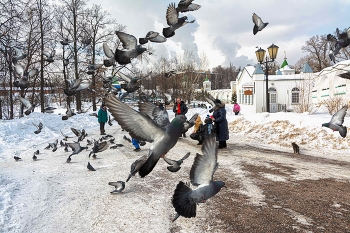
{"x":102,"y":118}
{"x":220,"y":120}
{"x":180,"y":108}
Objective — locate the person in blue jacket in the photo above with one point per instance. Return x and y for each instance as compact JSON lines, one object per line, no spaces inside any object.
{"x":102,"y":118}
{"x":221,"y":125}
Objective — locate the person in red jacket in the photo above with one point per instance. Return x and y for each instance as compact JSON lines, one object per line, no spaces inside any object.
{"x":180,"y":108}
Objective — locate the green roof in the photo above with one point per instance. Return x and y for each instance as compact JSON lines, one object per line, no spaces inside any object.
{"x":285,"y":63}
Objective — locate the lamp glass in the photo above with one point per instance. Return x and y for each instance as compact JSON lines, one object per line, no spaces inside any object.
{"x":260,"y":54}
{"x":273,"y":49}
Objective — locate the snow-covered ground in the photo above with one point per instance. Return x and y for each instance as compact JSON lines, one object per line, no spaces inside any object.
{"x":49,"y":195}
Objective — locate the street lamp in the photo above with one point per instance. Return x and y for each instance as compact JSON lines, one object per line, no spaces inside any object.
{"x":260,"y":55}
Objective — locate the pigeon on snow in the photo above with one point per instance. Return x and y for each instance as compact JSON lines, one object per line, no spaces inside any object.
{"x":119,"y":186}
{"x":16,"y":158}
{"x":336,"y":123}
{"x":39,"y":127}
{"x":90,"y":167}
{"x":129,"y":43}
{"x":52,"y":145}
{"x":98,"y":147}
{"x":201,"y":174}
{"x":258,"y":23}
{"x":175,"y":164}
{"x":173,"y":20}
{"x":135,"y":166}
{"x":142,"y":127}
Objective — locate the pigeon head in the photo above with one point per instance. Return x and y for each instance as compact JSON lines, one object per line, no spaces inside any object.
{"x":218,"y":185}
{"x":140,"y":49}
{"x":325,"y":125}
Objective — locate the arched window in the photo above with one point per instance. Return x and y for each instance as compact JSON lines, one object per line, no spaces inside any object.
{"x":295,"y":95}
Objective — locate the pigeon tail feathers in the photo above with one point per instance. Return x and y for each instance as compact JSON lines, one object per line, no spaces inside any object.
{"x":173,"y":169}
{"x":181,"y":202}
{"x":167,"y":32}
{"x":342,"y":131}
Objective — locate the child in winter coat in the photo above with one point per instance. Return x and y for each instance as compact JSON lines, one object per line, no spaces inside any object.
{"x":236,"y":108}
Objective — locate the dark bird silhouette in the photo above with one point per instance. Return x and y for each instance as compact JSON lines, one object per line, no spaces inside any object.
{"x":98,"y":147}
{"x":175,"y":164}
{"x":345,"y":75}
{"x":36,"y":152}
{"x":204,"y":166}
{"x":187,"y":5}
{"x":132,"y":50}
{"x":153,"y":37}
{"x":39,"y":127}
{"x":110,"y":120}
{"x":141,"y":126}
{"x":335,"y":45}
{"x":91,"y":168}
{"x":52,"y":145}
{"x":119,"y":186}
{"x":173,"y":20}
{"x":135,"y":166}
{"x":93,"y":67}
{"x":132,"y":82}
{"x":29,"y":106}
{"x":19,"y":55}
{"x":258,"y":24}
{"x":77,"y":148}
{"x":49,"y":56}
{"x":16,"y":158}
{"x":337,"y":120}
{"x":65,"y":41}
{"x":22,"y":77}
{"x":81,"y":134}
{"x":170,"y":73}
{"x":34,"y":157}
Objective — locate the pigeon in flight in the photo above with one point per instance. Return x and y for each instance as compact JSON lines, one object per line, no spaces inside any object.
{"x":175,"y":164}
{"x":19,"y":55}
{"x":345,"y":75}
{"x":142,"y":127}
{"x":119,"y":186}
{"x":22,"y":76}
{"x":258,"y":23}
{"x":91,"y":168}
{"x":93,"y":67}
{"x":170,"y":73}
{"x":49,"y":56}
{"x":135,"y":166}
{"x":201,"y":174}
{"x":52,"y":145}
{"x":173,"y":20}
{"x":109,"y":53}
{"x":76,"y":149}
{"x":131,"y":85}
{"x":76,"y":86}
{"x":28,"y":106}
{"x":39,"y":127}
{"x":65,"y":137}
{"x":98,"y":147}
{"x":65,"y":41}
{"x":81,"y":134}
{"x":129,"y":43}
{"x":336,"y":123}
{"x":153,"y":37}
{"x":336,"y":44}
{"x":187,"y":5}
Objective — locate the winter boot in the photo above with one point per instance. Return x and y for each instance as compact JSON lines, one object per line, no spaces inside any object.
{"x":102,"y":132}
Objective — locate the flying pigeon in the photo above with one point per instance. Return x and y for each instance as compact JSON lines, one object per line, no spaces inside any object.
{"x":16,"y":158}
{"x":129,"y":43}
{"x":91,"y":168}
{"x":52,"y":145}
{"x":160,"y":117}
{"x":336,"y":44}
{"x":93,"y":67}
{"x":135,"y":166}
{"x":49,"y":56}
{"x":187,"y":5}
{"x":111,"y":141}
{"x":201,"y":174}
{"x":19,"y":55}
{"x":65,"y":41}
{"x":153,"y":37}
{"x":77,"y":85}
{"x":119,"y":186}
{"x":345,"y":75}
{"x":167,"y":99}
{"x":28,"y":106}
{"x":336,"y":123}
{"x":22,"y":76}
{"x":170,"y":73}
{"x":131,"y":85}
{"x":98,"y":147}
{"x":109,"y":53}
{"x":173,"y":20}
{"x":34,"y":157}
{"x":65,"y":137}
{"x":81,"y":134}
{"x":39,"y":127}
{"x":175,"y":165}
{"x":258,"y":23}
{"x":142,"y":127}
{"x":76,"y":148}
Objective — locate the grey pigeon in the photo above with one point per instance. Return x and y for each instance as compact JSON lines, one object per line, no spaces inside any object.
{"x":81,"y":134}
{"x":65,"y":41}
{"x":114,"y":147}
{"x":175,"y":164}
{"x":160,"y":117}
{"x":153,"y":37}
{"x":98,"y":147}
{"x":335,"y":45}
{"x":204,"y":166}
{"x":167,"y":99}
{"x":62,"y":143}
{"x":170,"y":73}
{"x":109,"y":53}
{"x":336,"y":123}
{"x":30,"y":107}
{"x":77,"y":148}
{"x":76,"y":86}
{"x":135,"y":166}
{"x":89,"y":142}
{"x":65,"y":137}
{"x":187,"y":5}
{"x":119,"y":186}
{"x":19,"y":55}
{"x":34,"y":157}
{"x":36,"y":152}
{"x":22,"y":77}
{"x":258,"y":23}
{"x":131,"y":85}
{"x":91,"y":168}
{"x":16,"y":158}
{"x":49,"y":56}
{"x":173,"y":20}
{"x":69,"y":113}
{"x":129,"y":43}
{"x":93,"y":67}
{"x":39,"y":127}
{"x":142,"y":127}
{"x":52,"y":145}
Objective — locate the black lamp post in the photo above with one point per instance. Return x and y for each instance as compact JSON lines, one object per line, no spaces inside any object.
{"x":260,"y":55}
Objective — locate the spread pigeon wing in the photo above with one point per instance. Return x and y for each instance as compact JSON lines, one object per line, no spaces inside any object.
{"x":159,"y":116}
{"x":171,"y":15}
{"x":338,"y":118}
{"x":76,"y":132}
{"x":205,"y":165}
{"x":138,"y":125}
{"x":107,"y":50}
{"x":257,"y":20}
{"x":129,"y":41}
{"x":25,"y":102}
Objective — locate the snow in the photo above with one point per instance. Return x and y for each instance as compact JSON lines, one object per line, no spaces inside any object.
{"x":49,"y":195}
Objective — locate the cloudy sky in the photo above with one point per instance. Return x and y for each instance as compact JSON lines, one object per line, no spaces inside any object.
{"x":223,"y":29}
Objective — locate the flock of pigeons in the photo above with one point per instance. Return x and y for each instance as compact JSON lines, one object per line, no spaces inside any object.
{"x":151,"y":124}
